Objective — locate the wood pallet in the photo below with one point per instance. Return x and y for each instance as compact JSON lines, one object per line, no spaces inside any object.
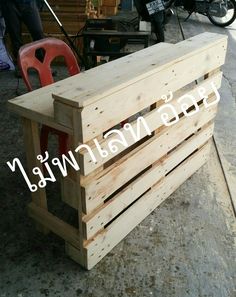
{"x":72,"y":14}
{"x":115,"y":193}
{"x":72,"y":22}
{"x":108,"y":10}
{"x":108,"y":7}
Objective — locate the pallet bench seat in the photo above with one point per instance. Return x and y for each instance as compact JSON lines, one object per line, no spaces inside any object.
{"x":119,"y":186}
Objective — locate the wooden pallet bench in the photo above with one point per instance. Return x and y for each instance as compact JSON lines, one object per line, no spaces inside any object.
{"x":125,"y":183}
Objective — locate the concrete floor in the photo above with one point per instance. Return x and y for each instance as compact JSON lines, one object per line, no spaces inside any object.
{"x":186,"y":247}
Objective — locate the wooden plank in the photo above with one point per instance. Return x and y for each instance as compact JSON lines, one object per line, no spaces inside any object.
{"x":73,"y":27}
{"x":59,"y":227}
{"x":38,"y":104}
{"x":114,"y":233}
{"x":74,"y":253}
{"x":99,"y":187}
{"x":68,"y":192}
{"x":109,"y":3}
{"x":65,"y":113}
{"x":141,"y":64}
{"x":32,"y":149}
{"x":94,"y":112}
{"x":109,"y":10}
{"x":105,"y":113}
{"x":103,"y":215}
{"x":153,"y":121}
{"x":78,"y":192}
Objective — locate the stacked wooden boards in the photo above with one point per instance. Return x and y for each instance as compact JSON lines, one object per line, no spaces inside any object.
{"x":109,"y":7}
{"x":71,"y":13}
{"x":115,"y":192}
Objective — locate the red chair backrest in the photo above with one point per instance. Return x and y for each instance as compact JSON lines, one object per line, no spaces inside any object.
{"x":52,"y":48}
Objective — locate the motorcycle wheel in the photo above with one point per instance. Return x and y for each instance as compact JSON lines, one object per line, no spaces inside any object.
{"x":226,"y":20}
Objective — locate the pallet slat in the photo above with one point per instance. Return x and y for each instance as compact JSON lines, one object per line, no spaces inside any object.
{"x":104,"y":242}
{"x":114,"y":195}
{"x":145,"y":63}
{"x":100,"y":187}
{"x":153,"y":121}
{"x":132,"y":91}
{"x":100,"y":217}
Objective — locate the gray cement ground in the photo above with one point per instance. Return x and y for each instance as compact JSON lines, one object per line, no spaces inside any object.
{"x":186,"y":247}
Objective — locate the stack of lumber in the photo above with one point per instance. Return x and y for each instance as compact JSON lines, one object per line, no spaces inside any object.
{"x":71,"y":13}
{"x":125,"y":174}
{"x":109,"y":7}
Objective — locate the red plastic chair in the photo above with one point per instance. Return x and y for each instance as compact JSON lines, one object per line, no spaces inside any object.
{"x":50,"y":49}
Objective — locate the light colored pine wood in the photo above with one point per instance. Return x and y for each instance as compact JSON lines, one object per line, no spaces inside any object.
{"x":153,"y":121}
{"x":68,"y":192}
{"x":98,"y":188}
{"x":37,"y":106}
{"x":110,"y":3}
{"x":32,"y":148}
{"x":78,"y":192}
{"x":142,"y":64}
{"x":138,"y":96}
{"x":51,"y":222}
{"x":113,"y":197}
{"x":104,"y":214}
{"x":144,"y":92}
{"x":74,"y":253}
{"x":114,"y":233}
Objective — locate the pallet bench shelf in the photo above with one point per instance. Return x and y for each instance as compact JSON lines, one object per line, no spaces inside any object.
{"x":113,"y":194}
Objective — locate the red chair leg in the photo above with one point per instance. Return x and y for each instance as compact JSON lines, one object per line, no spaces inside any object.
{"x":44,"y":139}
{"x":63,"y":143}
{"x":124,"y":122}
{"x":62,"y":140}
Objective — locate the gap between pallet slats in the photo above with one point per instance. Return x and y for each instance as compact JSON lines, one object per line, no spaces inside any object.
{"x":106,"y":113}
{"x":107,"y":239}
{"x":153,"y":120}
{"x":104,"y":214}
{"x":100,"y":187}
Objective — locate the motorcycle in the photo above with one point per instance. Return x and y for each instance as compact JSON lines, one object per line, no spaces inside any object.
{"x":221,"y":13}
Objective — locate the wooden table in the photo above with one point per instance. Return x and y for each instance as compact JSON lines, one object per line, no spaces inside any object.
{"x":115,"y":193}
